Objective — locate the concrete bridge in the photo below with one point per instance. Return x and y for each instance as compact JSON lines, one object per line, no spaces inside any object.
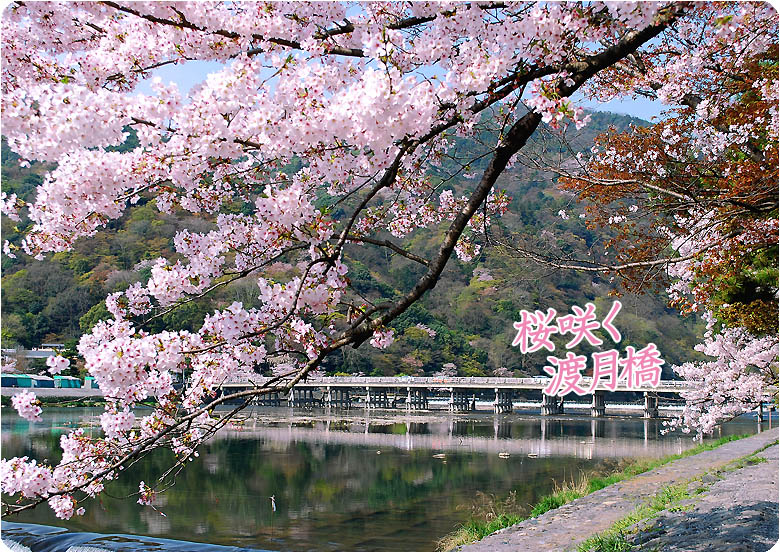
{"x":459,"y":394}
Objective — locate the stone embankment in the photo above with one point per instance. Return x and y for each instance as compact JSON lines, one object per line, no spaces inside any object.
{"x":738,"y":511}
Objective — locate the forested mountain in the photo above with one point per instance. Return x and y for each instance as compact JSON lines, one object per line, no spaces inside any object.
{"x":465,"y":320}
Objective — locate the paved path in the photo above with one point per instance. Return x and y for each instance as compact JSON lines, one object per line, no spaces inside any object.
{"x":563,"y":528}
{"x":737,"y":513}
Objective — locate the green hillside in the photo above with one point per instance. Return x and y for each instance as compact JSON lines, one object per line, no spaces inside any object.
{"x":471,"y":309}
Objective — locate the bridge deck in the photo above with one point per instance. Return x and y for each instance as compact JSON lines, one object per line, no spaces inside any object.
{"x":471,"y":383}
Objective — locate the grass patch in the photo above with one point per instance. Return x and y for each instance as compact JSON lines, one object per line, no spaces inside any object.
{"x":488,"y":514}
{"x":614,"y":538}
{"x":611,"y":542}
{"x":553,"y":501}
{"x":475,"y":530}
{"x":485,"y":522}
{"x":563,"y":494}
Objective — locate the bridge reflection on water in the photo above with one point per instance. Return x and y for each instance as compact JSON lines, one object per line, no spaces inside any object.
{"x":512,"y":434}
{"x":543,"y":437}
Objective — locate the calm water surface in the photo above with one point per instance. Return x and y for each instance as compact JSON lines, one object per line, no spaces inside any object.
{"x":347,"y":480}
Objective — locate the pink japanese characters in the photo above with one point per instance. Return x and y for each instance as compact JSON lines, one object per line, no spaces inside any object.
{"x":637,"y":368}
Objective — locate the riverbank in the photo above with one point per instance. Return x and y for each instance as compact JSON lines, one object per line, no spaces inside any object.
{"x":72,"y":397}
{"x":682,"y":487}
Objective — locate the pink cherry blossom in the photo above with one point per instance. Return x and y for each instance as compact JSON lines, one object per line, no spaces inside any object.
{"x":63,"y":506}
{"x":27,"y":405}
{"x":28,"y":478}
{"x":382,"y":338}
{"x":57,"y":364}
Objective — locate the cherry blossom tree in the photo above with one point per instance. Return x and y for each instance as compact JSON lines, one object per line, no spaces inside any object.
{"x":503,"y":372}
{"x":448,"y":370}
{"x":316,"y":106}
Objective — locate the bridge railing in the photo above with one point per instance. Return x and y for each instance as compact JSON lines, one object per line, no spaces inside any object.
{"x":477,"y":382}
{"x":400,"y":380}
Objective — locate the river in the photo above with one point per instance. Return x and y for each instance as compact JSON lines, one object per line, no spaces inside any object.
{"x":348,"y":480}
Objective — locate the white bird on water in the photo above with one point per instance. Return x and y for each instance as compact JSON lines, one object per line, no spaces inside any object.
{"x":273,"y":503}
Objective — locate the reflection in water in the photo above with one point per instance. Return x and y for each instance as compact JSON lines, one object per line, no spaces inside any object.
{"x":542,"y":438}
{"x":597,"y":428}
{"x":347,"y":481}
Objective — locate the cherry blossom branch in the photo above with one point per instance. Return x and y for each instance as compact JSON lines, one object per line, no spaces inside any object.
{"x":183,"y":23}
{"x":232,"y":278}
{"x":603,"y":267}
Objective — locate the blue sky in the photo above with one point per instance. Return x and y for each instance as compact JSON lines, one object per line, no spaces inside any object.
{"x":641,"y":107}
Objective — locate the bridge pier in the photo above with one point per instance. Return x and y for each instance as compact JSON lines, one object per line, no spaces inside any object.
{"x":377,"y":399}
{"x":459,"y":400}
{"x":344,"y":399}
{"x":269,"y":400}
{"x":416,"y":398}
{"x":301,"y":398}
{"x":503,"y":401}
{"x":339,"y":397}
{"x":651,"y":405}
{"x":552,"y":405}
{"x":597,"y":407}
{"x":291,"y":398}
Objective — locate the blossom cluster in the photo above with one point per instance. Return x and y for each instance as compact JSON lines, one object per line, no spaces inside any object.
{"x":27,"y":405}
{"x":57,"y":364}
{"x":733,"y":382}
{"x":382,"y":338}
